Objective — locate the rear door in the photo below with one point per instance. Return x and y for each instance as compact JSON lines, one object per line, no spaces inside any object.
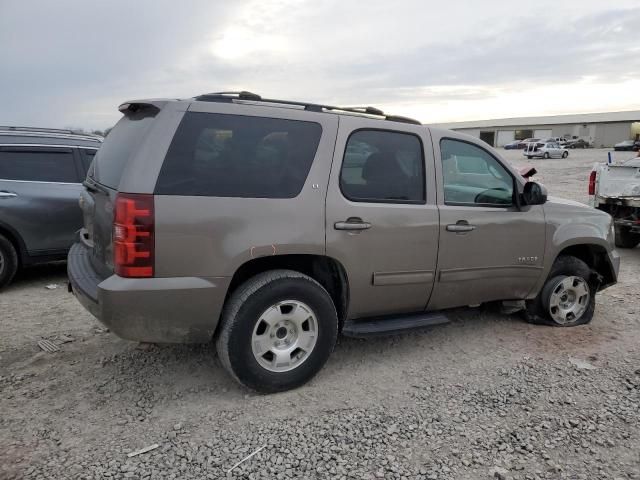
{"x":39,"y":191}
{"x":489,"y":249}
{"x":381,"y":218}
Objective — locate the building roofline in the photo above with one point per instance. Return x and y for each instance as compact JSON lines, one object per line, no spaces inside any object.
{"x":600,"y":117}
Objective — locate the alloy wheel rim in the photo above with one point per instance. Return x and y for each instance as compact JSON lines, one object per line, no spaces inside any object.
{"x":284,"y":336}
{"x":569,"y":300}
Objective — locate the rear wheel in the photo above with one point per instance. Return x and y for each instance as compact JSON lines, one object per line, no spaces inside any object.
{"x":278,"y":330}
{"x":529,"y":157}
{"x":8,"y":261}
{"x":625,"y":238}
{"x":546,"y":155}
{"x":567,"y":298}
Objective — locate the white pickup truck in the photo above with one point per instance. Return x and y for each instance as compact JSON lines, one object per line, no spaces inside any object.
{"x":615,"y":189}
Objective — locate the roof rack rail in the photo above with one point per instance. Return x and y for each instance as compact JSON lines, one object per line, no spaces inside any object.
{"x":38,"y":129}
{"x":229,"y":97}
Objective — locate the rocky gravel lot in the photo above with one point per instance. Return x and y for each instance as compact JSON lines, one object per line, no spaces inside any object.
{"x":486,"y":396}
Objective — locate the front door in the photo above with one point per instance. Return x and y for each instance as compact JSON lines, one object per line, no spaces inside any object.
{"x":489,"y":249}
{"x":382,"y":220}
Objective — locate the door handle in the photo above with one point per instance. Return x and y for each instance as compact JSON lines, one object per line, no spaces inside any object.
{"x":461,"y":227}
{"x":352,"y":223}
{"x":5,"y":194}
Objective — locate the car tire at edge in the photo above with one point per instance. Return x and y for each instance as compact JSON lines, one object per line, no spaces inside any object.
{"x":8,"y":261}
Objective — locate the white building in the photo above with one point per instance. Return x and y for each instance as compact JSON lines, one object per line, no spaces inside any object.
{"x":602,"y":129}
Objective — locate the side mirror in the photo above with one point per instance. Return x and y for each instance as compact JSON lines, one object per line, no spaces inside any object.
{"x":534,"y":193}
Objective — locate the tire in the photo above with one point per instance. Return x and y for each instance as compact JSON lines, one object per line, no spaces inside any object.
{"x":529,"y":157}
{"x":546,"y":155}
{"x":564,"y":270}
{"x":269,"y":295}
{"x":565,"y":154}
{"x":8,"y":261}
{"x":625,"y":238}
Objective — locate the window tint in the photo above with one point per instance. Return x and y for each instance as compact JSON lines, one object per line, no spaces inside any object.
{"x":123,"y":140}
{"x":383,"y":166}
{"x":38,"y":164}
{"x":239,"y":156}
{"x":473,"y":176}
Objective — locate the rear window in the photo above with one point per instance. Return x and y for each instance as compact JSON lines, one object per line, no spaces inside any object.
{"x":222,"y":155}
{"x":118,"y":147}
{"x":33,"y":164}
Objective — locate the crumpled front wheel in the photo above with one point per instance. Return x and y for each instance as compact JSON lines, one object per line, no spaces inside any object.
{"x":567,"y":298}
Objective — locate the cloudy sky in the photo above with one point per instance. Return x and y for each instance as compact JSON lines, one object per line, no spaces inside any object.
{"x":70,"y":63}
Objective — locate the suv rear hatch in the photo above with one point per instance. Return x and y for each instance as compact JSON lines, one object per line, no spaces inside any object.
{"x":100,"y":200}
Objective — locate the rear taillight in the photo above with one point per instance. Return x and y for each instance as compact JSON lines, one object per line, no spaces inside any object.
{"x":592,"y":183}
{"x":133,"y":235}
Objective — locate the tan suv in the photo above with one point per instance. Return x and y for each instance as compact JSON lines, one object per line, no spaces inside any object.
{"x":272,"y":226}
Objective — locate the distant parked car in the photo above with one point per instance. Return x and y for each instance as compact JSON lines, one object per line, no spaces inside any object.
{"x":555,"y":139}
{"x":515,"y":145}
{"x":627,"y":145}
{"x":577,"y":143}
{"x":545,"y":150}
{"x":41,"y":174}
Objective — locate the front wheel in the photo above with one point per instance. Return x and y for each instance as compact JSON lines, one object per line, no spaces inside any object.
{"x":625,"y":238}
{"x":278,"y":330}
{"x":567,"y":298}
{"x":546,"y":155}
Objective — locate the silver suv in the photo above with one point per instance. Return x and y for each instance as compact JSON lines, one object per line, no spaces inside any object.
{"x":272,"y":226}
{"x":41,"y":174}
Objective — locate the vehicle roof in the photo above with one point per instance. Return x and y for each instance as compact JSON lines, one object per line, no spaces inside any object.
{"x":248,"y":98}
{"x":47,"y":136}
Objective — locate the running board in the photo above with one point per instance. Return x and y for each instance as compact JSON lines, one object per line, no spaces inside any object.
{"x":392,"y":325}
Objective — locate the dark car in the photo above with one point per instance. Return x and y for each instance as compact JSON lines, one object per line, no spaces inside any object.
{"x":41,"y":175}
{"x":627,"y":145}
{"x":515,"y":145}
{"x":577,"y":143}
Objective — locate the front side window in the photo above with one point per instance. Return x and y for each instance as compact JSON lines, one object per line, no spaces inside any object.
{"x":34,"y":164}
{"x":472,"y":176}
{"x":223,"y":155}
{"x":383,"y":166}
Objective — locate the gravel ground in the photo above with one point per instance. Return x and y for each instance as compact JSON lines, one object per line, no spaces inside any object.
{"x":486,"y":396}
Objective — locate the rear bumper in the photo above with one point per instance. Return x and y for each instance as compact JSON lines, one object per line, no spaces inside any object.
{"x":162,"y":310}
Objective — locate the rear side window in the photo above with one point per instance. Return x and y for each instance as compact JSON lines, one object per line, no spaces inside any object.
{"x":35,"y":164}
{"x":222,"y":155}
{"x":122,"y":142}
{"x":87,"y":157}
{"x":383,"y":166}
